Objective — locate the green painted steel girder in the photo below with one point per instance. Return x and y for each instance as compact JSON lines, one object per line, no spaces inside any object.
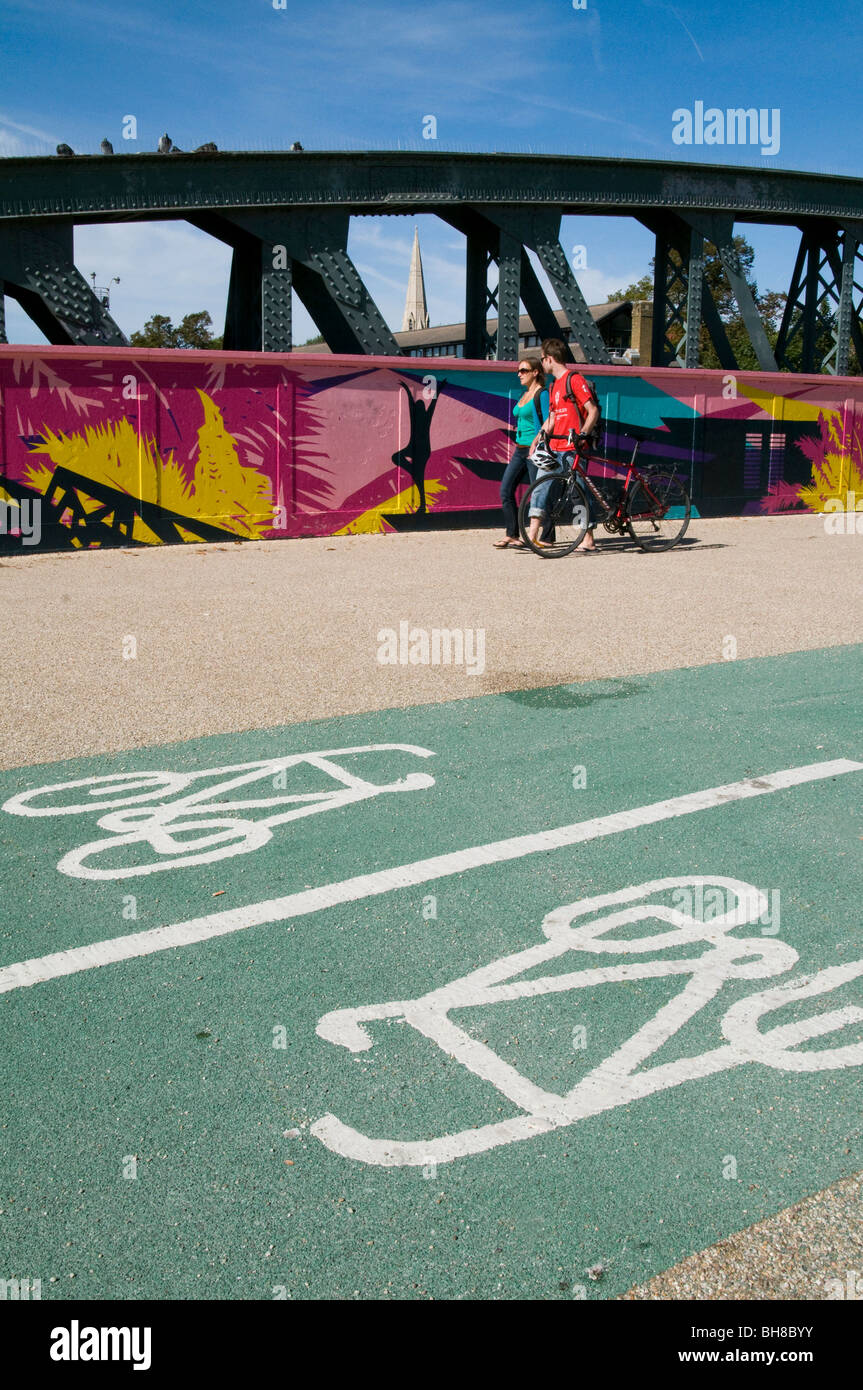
{"x":504,"y":204}
{"x":37,"y":269}
{"x":823,"y":309}
{"x":670,"y":286}
{"x":501,"y":234}
{"x":275,"y":252}
{"x":720,"y":230}
{"x":682,"y":298}
{"x":694,"y":297}
{"x":114,"y":187}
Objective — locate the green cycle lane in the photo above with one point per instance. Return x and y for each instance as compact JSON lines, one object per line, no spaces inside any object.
{"x":176,"y":1125}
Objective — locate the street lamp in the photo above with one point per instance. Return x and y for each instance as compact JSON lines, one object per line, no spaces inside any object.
{"x":103,"y":293}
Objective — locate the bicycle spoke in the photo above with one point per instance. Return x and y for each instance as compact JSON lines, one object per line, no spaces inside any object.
{"x":564,"y":516}
{"x":657,"y":511}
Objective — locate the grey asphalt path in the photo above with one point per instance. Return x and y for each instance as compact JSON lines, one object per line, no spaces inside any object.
{"x":255,"y":635}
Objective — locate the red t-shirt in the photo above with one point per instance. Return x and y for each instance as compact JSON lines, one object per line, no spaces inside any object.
{"x":564,"y":413}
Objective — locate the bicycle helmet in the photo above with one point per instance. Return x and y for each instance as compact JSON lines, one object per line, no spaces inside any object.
{"x":545,"y":458}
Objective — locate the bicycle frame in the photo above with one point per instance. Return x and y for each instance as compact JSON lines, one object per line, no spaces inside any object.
{"x":617,"y":513}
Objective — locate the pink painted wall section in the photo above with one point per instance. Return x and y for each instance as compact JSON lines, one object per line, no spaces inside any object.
{"x":143,"y":447}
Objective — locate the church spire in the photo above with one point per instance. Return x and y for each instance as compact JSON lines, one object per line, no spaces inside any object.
{"x":416,"y":311}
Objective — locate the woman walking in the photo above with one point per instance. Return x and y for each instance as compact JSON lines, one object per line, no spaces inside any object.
{"x":530,"y":411}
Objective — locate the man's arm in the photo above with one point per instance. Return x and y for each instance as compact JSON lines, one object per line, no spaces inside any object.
{"x":581,"y":439}
{"x":591,"y":418}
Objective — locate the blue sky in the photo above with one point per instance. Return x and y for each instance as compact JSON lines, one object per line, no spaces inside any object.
{"x":527,"y":77}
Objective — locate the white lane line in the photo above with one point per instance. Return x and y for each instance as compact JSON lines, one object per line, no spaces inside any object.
{"x":145,"y":943}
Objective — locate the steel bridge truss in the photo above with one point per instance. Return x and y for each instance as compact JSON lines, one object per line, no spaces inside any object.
{"x":287,"y":218}
{"x":822,"y":317}
{"x":682,"y":301}
{"x":37,"y":269}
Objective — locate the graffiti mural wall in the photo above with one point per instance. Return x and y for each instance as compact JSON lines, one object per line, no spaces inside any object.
{"x":118,"y":447}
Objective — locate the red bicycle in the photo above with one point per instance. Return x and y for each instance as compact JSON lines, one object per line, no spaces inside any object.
{"x":652,"y":504}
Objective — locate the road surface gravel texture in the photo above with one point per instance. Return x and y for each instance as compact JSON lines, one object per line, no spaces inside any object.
{"x":253,"y":635}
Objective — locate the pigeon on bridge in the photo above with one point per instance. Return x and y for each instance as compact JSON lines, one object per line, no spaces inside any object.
{"x":106,"y":147}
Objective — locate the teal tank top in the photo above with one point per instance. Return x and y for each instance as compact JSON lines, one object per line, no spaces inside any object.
{"x":527,"y":424}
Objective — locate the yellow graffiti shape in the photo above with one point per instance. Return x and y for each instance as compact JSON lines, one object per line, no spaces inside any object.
{"x":223,"y":492}
{"x":240,"y":497}
{"x":374,"y":521}
{"x":836,"y":474}
{"x":784,"y":407}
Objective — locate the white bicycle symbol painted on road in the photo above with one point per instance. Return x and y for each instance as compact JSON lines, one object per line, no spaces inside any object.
{"x":200,"y":815}
{"x":589,"y":926}
{"x":586,"y":926}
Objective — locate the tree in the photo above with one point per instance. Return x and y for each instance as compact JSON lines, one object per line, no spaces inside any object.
{"x":194,"y":331}
{"x":642,"y":289}
{"x":769,"y":306}
{"x":826,"y":324}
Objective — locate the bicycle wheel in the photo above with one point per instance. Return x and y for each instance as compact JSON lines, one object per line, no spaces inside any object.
{"x":565,"y":515}
{"x":657,"y":511}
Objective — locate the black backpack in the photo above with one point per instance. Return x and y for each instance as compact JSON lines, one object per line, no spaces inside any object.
{"x":594,"y":400}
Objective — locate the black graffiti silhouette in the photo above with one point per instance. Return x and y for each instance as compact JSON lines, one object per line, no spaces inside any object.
{"x":417,"y":452}
{"x":110,"y":524}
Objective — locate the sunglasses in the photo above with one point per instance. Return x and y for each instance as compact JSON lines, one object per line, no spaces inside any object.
{"x":524,"y":371}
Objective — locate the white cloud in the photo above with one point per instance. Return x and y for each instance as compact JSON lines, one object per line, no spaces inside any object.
{"x":597,"y":285}
{"x":164,"y":268}
{"x":12,"y":144}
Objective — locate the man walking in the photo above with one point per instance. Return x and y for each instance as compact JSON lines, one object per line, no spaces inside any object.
{"x":579,"y":414}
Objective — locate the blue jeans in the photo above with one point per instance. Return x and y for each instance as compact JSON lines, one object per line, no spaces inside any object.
{"x":537,"y":501}
{"x":519,"y":469}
